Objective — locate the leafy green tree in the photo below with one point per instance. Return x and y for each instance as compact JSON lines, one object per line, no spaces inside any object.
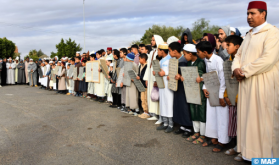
{"x":163,"y":31}
{"x":67,"y":49}
{"x":52,"y":54}
{"x":33,"y":52}
{"x":202,"y":26}
{"x":16,"y":55}
{"x":7,"y":48}
{"x":40,"y":53}
{"x":135,"y":42}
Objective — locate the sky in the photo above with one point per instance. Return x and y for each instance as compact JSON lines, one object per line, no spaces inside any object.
{"x":40,"y":24}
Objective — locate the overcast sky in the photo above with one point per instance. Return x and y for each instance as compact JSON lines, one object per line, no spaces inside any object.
{"x":40,"y":24}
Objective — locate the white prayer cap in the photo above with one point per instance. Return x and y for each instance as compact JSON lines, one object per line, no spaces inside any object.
{"x":66,"y":58}
{"x":51,"y":62}
{"x":111,"y":64}
{"x":190,"y":48}
{"x":78,"y":52}
{"x":30,"y":59}
{"x":17,"y":58}
{"x":172,"y":39}
{"x":232,"y":29}
{"x":93,"y":52}
{"x":9,"y":59}
{"x":59,"y":61}
{"x":45,"y":58}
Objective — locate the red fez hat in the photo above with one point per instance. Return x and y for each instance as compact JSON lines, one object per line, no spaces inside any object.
{"x":257,"y":5}
{"x":109,"y":48}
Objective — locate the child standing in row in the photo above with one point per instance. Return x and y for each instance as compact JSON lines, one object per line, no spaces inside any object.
{"x":131,"y":91}
{"x":198,"y":112}
{"x":142,"y":68}
{"x":181,"y":109}
{"x":99,"y":87}
{"x":233,"y":44}
{"x":83,"y":85}
{"x":166,"y":95}
{"x":217,"y":118}
{"x":90,"y":90}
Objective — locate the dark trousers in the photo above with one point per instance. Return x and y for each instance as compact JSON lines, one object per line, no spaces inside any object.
{"x":139,"y":103}
{"x":57,"y":80}
{"x":116,"y":99}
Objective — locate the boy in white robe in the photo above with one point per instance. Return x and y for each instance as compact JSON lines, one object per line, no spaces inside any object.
{"x":217,"y":118}
{"x":109,"y":85}
{"x":68,"y":82}
{"x":10,"y":72}
{"x":42,"y":79}
{"x":51,"y":77}
{"x":90,"y":90}
{"x":166,"y":95}
{"x":47,"y":68}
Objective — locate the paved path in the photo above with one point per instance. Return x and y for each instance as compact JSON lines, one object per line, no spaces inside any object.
{"x":42,"y":127}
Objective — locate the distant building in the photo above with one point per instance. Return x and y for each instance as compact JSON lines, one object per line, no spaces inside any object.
{"x":16,"y":50}
{"x":43,"y":56}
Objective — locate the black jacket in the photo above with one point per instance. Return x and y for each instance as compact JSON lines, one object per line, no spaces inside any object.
{"x":141,"y":75}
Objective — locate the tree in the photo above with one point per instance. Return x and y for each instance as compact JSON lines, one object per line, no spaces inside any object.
{"x":135,"y":42}
{"x":33,"y":52}
{"x":16,"y":55}
{"x":52,"y":54}
{"x":67,"y":49}
{"x":202,"y":26}
{"x":163,"y":31}
{"x":40,"y":53}
{"x":7,"y":48}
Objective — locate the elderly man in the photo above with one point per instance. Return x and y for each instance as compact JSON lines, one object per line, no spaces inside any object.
{"x":32,"y":72}
{"x":21,"y":73}
{"x":256,"y":67}
{"x":10,"y":72}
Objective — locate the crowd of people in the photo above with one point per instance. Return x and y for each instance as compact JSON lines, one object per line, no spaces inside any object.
{"x":252,"y":121}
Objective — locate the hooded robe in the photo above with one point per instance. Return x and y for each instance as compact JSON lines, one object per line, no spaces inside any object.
{"x":223,"y":52}
{"x":189,"y":38}
{"x":62,"y":80}
{"x":32,"y":75}
{"x":21,"y":73}
{"x":10,"y":73}
{"x":153,"y":107}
